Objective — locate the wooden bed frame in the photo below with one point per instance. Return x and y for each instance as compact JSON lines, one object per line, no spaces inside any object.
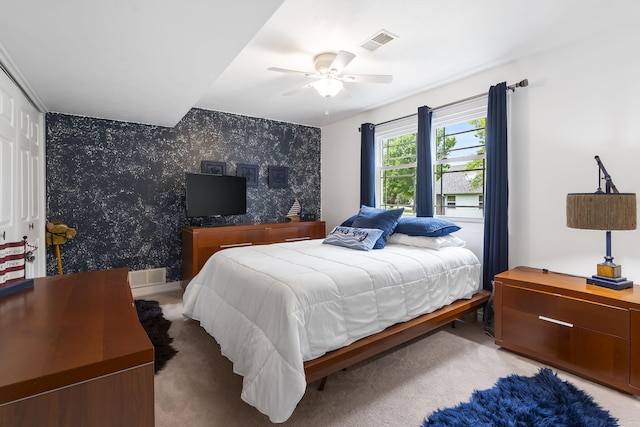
{"x":391,"y":337}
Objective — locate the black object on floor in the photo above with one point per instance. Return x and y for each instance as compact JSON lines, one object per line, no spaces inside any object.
{"x":157,"y":328}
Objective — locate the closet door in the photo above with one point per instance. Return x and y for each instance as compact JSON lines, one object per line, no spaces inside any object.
{"x":8,"y":135}
{"x":22,"y":175}
{"x":30,"y":198}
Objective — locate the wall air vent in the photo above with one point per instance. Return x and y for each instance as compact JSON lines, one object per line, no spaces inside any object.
{"x":380,"y":38}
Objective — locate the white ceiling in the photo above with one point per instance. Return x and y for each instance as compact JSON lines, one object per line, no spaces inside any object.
{"x":150,"y":61}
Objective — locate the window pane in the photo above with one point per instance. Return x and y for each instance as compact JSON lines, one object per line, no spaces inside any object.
{"x":459,"y":169}
{"x":459,"y":191}
{"x":460,"y":140}
{"x":398,"y":189}
{"x":399,"y":150}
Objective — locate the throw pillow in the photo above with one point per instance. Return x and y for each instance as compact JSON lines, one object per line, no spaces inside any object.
{"x":354,"y":238}
{"x":349,"y":221}
{"x":385,"y":220}
{"x":425,"y":226}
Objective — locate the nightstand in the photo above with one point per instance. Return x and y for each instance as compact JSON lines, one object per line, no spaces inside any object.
{"x":559,"y":319}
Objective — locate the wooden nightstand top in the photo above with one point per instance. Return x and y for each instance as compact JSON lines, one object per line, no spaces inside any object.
{"x":569,"y":285}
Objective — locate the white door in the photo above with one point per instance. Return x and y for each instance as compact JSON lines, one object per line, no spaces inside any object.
{"x":8,"y":135}
{"x":22,"y":175}
{"x":31,"y":196}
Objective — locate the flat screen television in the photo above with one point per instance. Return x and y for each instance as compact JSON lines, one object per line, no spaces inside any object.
{"x":215,"y":195}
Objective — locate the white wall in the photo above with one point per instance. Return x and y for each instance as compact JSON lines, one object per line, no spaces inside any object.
{"x":583,"y":100}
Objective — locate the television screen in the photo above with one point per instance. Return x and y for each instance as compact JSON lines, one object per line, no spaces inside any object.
{"x":214,"y":195}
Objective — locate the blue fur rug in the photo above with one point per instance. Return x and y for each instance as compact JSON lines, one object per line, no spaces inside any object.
{"x":517,"y":401}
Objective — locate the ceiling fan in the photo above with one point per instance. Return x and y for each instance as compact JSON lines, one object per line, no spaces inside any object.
{"x":328,"y":72}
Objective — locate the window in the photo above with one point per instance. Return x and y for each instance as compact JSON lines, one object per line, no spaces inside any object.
{"x":458,"y":141}
{"x":396,"y":161}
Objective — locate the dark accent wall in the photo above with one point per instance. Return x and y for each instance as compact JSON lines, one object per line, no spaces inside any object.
{"x":121,"y":185}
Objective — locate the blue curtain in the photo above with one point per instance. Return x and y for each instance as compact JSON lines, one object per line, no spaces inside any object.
{"x":424,"y":175}
{"x":368,"y":165}
{"x":496,"y":233}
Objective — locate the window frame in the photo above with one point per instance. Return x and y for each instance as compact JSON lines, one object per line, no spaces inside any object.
{"x":475,"y":108}
{"x":472,"y":109}
{"x":405,"y":126}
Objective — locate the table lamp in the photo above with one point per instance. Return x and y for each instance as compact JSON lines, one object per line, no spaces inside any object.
{"x":604,"y":210}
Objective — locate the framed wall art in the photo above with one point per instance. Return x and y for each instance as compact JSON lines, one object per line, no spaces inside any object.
{"x":215,"y":168}
{"x":278,"y":176}
{"x":250,"y":172}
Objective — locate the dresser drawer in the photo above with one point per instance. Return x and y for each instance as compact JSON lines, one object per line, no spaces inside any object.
{"x":199,"y":243}
{"x":579,"y":313}
{"x":286,"y":234}
{"x":231,"y":236}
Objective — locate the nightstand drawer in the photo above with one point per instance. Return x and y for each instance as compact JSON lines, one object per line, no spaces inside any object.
{"x":578,"y":313}
{"x":561,"y":320}
{"x":586,"y":351}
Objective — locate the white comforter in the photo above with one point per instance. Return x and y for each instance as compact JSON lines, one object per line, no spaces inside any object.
{"x":273,"y":307}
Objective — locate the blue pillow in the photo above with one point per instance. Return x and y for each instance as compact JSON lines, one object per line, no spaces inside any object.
{"x":383,"y":219}
{"x":349,"y":221}
{"x":354,"y":238}
{"x":425,"y":226}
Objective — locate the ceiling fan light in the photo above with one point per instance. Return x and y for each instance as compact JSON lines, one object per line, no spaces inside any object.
{"x":328,"y":87}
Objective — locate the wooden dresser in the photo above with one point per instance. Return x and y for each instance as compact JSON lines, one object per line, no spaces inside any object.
{"x":199,"y":243}
{"x":73,"y":353}
{"x":558,"y":319}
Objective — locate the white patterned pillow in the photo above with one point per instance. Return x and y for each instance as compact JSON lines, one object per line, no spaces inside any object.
{"x":354,"y":238}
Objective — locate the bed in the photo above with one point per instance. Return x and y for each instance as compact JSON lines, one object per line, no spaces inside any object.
{"x":288,"y":314}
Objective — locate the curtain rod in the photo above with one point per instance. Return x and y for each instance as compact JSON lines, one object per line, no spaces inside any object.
{"x":521,"y":83}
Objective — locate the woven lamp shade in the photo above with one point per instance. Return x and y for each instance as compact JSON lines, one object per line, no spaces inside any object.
{"x":601,"y":211}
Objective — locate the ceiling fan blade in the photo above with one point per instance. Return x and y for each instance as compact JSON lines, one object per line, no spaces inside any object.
{"x":342,"y":59}
{"x":298,"y":89}
{"x":367,"y":78}
{"x":286,"y":70}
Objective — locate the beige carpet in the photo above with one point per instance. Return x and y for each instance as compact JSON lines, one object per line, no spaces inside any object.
{"x":400,"y":388}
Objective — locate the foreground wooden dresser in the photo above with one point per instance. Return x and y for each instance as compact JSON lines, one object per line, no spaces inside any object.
{"x":199,"y":243}
{"x":558,"y":319}
{"x":73,"y":353}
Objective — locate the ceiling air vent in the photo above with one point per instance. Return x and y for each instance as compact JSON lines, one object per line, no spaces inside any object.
{"x":380,"y":38}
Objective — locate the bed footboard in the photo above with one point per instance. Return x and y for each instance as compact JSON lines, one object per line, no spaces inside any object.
{"x":391,"y":337}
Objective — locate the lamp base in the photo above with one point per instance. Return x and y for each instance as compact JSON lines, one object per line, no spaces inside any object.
{"x":609,"y":270}
{"x":618,"y":283}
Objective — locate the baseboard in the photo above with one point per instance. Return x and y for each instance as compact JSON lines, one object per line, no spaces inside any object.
{"x":156,"y":289}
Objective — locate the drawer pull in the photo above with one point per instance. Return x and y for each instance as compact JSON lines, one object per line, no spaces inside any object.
{"x":295,"y":239}
{"x":235,"y":245}
{"x":558,"y":322}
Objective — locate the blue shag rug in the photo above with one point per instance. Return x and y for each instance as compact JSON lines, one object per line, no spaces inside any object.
{"x":517,"y":401}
